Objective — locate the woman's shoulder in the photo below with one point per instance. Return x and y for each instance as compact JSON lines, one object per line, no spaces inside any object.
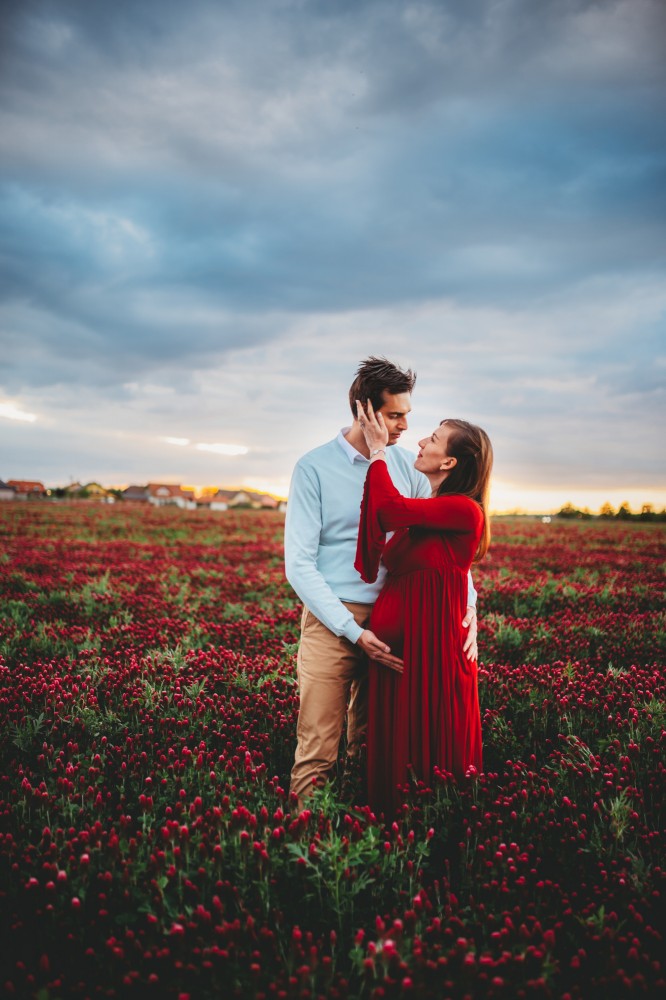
{"x":461,"y":500}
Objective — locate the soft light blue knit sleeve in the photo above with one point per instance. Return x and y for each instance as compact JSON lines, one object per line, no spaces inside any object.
{"x":302,"y":533}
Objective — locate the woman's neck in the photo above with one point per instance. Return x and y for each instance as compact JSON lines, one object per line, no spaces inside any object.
{"x":435,"y":483}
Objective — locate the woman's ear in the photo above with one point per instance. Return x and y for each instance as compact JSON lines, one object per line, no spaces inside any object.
{"x":448,"y":464}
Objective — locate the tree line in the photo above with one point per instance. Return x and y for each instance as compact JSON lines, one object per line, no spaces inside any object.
{"x":623,"y":513}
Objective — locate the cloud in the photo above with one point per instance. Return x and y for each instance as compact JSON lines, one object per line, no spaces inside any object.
{"x":209,"y":214}
{"x":223,"y":449}
{"x":11,"y":412}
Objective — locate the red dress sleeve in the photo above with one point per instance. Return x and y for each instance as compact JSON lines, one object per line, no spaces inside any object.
{"x":385,"y":509}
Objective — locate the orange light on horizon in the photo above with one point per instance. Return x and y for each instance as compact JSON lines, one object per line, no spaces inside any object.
{"x":508,"y":497}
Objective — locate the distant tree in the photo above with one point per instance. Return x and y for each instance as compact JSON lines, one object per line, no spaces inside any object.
{"x":624,"y":512}
{"x":607,"y":510}
{"x":568,"y":511}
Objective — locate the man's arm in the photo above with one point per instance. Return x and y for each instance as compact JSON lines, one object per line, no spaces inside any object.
{"x":302,"y":532}
{"x":301,"y":543}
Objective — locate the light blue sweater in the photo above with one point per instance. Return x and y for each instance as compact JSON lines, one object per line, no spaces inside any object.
{"x":321,"y":529}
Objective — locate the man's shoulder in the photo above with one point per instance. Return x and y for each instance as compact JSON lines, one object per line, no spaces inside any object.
{"x":401,"y":456}
{"x":319,"y":456}
{"x":402,"y":463}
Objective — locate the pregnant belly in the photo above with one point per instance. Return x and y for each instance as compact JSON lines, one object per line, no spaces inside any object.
{"x":387,"y":620}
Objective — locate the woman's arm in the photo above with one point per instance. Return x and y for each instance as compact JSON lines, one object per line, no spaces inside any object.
{"x":385,"y":509}
{"x":450,"y":512}
{"x":371,"y":537}
{"x":393,"y":510}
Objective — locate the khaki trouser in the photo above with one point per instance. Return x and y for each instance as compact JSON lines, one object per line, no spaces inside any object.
{"x":333,"y":679}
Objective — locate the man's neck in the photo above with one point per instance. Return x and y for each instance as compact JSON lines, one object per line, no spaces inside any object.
{"x":355,"y":438}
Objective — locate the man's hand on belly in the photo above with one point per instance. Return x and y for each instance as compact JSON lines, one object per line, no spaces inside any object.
{"x":379,"y":651}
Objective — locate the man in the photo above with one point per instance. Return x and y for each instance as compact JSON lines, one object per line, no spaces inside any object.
{"x":320,"y":546}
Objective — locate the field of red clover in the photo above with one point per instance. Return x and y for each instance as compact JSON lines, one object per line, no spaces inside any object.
{"x":148,"y":847}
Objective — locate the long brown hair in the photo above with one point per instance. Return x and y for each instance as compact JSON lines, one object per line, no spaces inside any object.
{"x":470,"y":475}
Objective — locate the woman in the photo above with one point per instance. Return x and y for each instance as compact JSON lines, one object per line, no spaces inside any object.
{"x":428,"y":715}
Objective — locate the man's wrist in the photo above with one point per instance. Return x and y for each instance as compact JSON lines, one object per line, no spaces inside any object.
{"x":352,"y":631}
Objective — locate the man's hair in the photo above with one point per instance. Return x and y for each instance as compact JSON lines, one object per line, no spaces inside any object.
{"x":375,"y":376}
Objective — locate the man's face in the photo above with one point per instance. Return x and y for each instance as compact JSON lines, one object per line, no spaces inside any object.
{"x":394,"y":411}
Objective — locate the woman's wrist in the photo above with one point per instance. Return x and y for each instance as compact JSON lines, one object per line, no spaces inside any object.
{"x":378,"y":454}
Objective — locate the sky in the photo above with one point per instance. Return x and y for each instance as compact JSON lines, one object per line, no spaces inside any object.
{"x":211,"y":212}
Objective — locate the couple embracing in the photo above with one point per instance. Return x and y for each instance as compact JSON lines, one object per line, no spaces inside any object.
{"x":388,"y":632}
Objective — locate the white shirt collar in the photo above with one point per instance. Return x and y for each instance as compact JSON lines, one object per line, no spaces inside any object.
{"x":350,"y":451}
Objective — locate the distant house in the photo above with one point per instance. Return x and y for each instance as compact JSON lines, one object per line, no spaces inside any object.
{"x":136,"y":493}
{"x":225,"y":499}
{"x":27,"y":489}
{"x":214,"y":501}
{"x":96,"y":492}
{"x":172,"y":494}
{"x":7,"y":492}
{"x":265,"y":501}
{"x":240,"y":498}
{"x":168,"y":494}
{"x":89,"y":491}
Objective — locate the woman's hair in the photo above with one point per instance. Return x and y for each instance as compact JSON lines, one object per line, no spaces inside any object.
{"x":470,"y":476}
{"x":376,"y":375}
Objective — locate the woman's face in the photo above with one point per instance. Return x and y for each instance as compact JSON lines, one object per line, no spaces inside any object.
{"x":433,"y":457}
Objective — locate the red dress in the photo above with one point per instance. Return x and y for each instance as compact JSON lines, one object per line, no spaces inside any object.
{"x":429,"y":715}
